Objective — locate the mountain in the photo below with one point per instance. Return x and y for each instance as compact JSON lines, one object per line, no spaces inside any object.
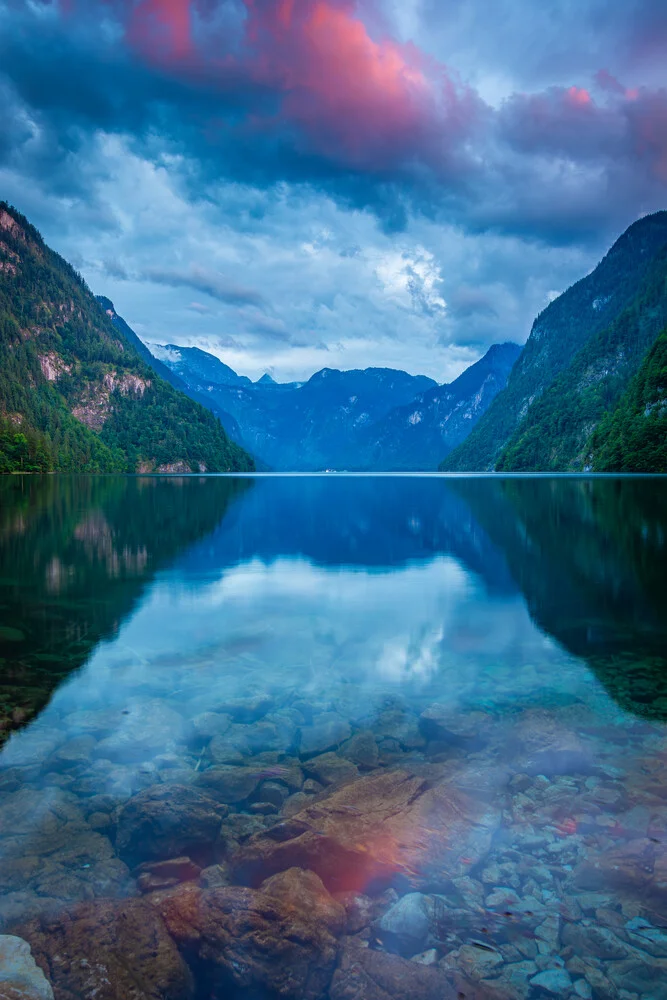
{"x":196,"y":392}
{"x":554,"y":436}
{"x":75,"y":393}
{"x":415,"y":437}
{"x":297,"y":426}
{"x":588,"y":337}
{"x":633,"y":436}
{"x":197,"y":368}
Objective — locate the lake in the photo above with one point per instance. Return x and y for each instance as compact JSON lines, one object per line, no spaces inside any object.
{"x":335,"y":737}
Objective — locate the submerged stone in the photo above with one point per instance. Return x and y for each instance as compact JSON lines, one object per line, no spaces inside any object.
{"x":377,"y":829}
{"x":280,"y":938}
{"x":365,"y":974}
{"x":167,"y":821}
{"x":20,"y":976}
{"x":110,"y":951}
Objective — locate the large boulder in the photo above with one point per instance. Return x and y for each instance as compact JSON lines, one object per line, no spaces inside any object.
{"x":280,"y":938}
{"x":109,"y":951}
{"x":373,"y":830}
{"x":363,"y":974}
{"x":20,"y":977}
{"x":547,"y":747}
{"x":167,"y":821}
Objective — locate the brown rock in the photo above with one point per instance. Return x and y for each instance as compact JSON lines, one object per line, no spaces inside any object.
{"x":166,"y":821}
{"x":330,"y":769}
{"x":230,"y":783}
{"x":373,"y":829}
{"x":363,"y":974}
{"x":549,"y":748}
{"x":362,"y":750}
{"x":280,"y":938}
{"x":635,"y":868}
{"x":109,"y":951}
{"x":164,"y":874}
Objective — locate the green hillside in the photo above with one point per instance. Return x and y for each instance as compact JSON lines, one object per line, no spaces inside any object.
{"x":75,"y":396}
{"x":576,"y":318}
{"x":554,"y":435}
{"x":633,"y":436}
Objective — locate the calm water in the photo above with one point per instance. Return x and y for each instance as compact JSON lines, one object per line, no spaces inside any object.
{"x":335,"y":737}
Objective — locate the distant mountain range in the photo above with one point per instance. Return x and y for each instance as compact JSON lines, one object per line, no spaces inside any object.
{"x":378,"y":419}
{"x":570,"y":403}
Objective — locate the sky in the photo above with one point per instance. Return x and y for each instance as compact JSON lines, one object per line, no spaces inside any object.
{"x":300,"y":184}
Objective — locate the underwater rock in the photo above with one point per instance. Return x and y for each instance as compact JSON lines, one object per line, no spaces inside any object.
{"x":30,"y":747}
{"x":249,"y":708}
{"x":230,"y":784}
{"x":557,"y":982}
{"x":448,"y":724}
{"x":400,"y":725}
{"x":167,"y":821}
{"x":406,"y":926}
{"x":330,"y":769}
{"x":359,"y":910}
{"x":154,"y":875}
{"x":374,"y":829}
{"x":109,"y":950}
{"x":328,"y":731}
{"x":206,"y":725}
{"x":146,"y":728}
{"x":638,"y":867}
{"x":20,"y":977}
{"x":362,"y":750}
{"x":364,"y":974}
{"x":546,"y":747}
{"x":280,"y":938}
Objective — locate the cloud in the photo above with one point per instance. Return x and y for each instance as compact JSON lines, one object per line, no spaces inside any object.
{"x":326,"y":182}
{"x":200,"y":279}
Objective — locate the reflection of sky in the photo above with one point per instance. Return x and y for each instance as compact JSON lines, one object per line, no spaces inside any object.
{"x":428,"y":632}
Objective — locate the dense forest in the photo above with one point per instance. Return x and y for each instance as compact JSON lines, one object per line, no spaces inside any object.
{"x":555,"y":434}
{"x":74,"y":394}
{"x":582,"y":351}
{"x":633,"y":436}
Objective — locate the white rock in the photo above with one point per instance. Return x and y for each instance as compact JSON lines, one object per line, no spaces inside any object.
{"x":19,"y":971}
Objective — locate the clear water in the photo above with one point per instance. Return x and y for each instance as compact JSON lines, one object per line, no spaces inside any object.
{"x":247,"y":672}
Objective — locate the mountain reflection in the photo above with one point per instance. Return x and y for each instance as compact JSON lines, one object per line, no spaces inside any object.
{"x":588,"y":557}
{"x":75,"y":556}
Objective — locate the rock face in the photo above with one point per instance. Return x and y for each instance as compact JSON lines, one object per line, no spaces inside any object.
{"x":363,"y":974}
{"x":373,"y":830}
{"x":109,"y":951}
{"x":166,"y":821}
{"x":280,"y":938}
{"x":20,"y":977}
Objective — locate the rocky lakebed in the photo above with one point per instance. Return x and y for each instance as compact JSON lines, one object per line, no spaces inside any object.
{"x":276,"y":846}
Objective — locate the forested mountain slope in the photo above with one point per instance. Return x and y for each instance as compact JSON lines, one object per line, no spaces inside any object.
{"x":633,"y":436}
{"x":75,"y":395}
{"x":554,"y":435}
{"x":559,"y":333}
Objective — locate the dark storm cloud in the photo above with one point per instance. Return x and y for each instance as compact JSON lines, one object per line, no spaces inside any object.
{"x":211,"y":283}
{"x":465,"y":128}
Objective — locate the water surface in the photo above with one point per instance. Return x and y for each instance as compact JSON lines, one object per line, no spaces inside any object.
{"x":430,"y":711}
